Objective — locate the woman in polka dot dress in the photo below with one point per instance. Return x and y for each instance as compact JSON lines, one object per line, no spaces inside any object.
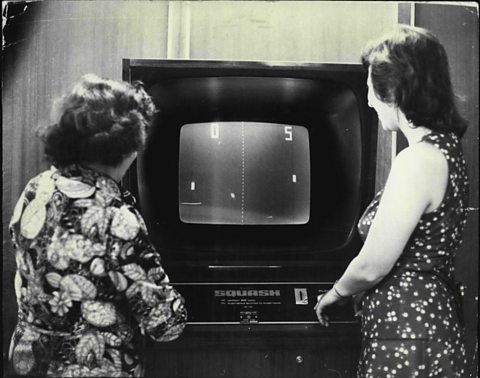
{"x":411,"y":315}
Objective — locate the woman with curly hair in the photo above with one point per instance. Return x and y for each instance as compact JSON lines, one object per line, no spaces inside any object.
{"x":89,"y":282}
{"x":411,"y":314}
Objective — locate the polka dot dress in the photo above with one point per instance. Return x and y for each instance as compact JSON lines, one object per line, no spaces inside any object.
{"x":411,"y":323}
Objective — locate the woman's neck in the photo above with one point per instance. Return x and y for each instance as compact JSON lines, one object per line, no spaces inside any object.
{"x":116,"y":172}
{"x":108,"y":170}
{"x":415,"y":135}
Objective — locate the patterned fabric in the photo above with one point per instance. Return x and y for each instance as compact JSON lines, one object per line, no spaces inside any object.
{"x":88,"y":282}
{"x":411,"y":324}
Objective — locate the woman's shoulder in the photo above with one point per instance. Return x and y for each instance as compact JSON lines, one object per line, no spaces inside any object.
{"x":422,"y":169}
{"x":423,"y":158}
{"x":33,"y":183}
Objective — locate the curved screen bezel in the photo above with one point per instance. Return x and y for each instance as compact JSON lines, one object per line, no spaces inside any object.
{"x":332,"y":112}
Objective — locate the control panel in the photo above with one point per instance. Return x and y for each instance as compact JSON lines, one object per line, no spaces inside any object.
{"x":259,"y":303}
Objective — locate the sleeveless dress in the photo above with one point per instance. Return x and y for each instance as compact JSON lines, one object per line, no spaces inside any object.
{"x":89,"y":282}
{"x":412,"y":321}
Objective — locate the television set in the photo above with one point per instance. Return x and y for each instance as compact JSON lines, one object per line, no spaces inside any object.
{"x":255,"y":166}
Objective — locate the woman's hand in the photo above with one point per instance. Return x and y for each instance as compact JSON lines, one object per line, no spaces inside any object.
{"x":357,"y":304}
{"x":325,"y":300}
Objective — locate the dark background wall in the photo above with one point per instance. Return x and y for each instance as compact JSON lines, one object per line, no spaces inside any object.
{"x":50,"y":44}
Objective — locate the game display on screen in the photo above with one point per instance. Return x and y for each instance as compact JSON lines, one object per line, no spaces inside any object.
{"x":244,"y":173}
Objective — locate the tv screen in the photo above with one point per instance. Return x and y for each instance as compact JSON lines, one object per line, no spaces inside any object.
{"x":244,"y":173}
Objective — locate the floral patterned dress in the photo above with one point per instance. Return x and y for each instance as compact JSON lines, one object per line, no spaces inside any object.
{"x":411,"y":323}
{"x":89,"y":282}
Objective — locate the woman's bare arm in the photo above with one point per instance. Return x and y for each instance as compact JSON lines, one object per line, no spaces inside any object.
{"x":417,"y":181}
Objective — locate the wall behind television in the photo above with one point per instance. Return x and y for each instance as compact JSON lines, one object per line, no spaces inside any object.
{"x":50,"y":44}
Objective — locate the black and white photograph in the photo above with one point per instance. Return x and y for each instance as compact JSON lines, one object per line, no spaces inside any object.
{"x":240,"y":189}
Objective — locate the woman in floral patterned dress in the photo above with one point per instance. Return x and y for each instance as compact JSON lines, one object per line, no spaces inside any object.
{"x":89,"y":282}
{"x":411,"y":321}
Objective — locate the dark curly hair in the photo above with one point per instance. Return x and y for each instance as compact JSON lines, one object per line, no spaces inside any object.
{"x":101,"y":121}
{"x":409,"y":68}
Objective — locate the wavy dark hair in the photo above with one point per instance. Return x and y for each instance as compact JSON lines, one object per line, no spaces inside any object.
{"x":100,"y":121}
{"x":409,"y":68}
